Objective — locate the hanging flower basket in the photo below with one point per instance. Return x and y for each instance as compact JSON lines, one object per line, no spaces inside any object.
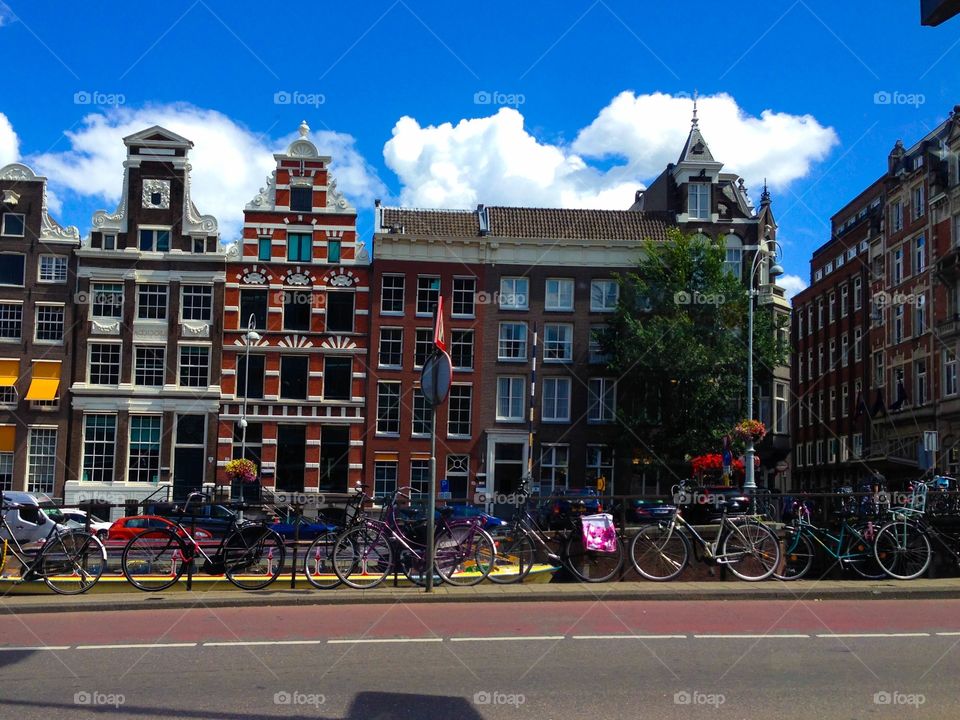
{"x":241,"y":469}
{"x":749,"y":430}
{"x":712,"y":464}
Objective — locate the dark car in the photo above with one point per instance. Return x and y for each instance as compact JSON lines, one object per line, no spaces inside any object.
{"x":215,"y":519}
{"x":310,"y":528}
{"x":556,"y":512}
{"x":705,"y":505}
{"x":648,"y":511}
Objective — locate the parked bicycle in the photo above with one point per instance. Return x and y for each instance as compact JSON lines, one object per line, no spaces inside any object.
{"x":318,"y":565}
{"x":748,"y":547}
{"x":522,"y":541}
{"x":851,"y":546}
{"x":365,"y":555}
{"x":70,"y":562}
{"x":250,"y":554}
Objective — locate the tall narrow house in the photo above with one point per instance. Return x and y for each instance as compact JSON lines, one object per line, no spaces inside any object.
{"x":146,"y":388}
{"x":37,"y":268}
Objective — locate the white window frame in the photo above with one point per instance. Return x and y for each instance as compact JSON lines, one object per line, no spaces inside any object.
{"x":552,"y":411}
{"x":511,"y":388}
{"x":59,"y":263}
{"x":600,"y":290}
{"x":560,"y":299}
{"x":511,"y":296}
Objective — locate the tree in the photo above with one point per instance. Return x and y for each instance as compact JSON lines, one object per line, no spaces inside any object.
{"x":678,"y":346}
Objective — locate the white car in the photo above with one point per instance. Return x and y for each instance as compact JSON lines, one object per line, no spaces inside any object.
{"x":28,"y":523}
{"x":77,"y":518}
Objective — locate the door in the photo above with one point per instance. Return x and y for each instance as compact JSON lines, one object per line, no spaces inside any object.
{"x":334,"y":458}
{"x":509,"y":466}
{"x":187,"y":472}
{"x":291,"y":457}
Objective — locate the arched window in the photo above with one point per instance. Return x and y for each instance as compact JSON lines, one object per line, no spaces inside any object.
{"x":734,"y":258}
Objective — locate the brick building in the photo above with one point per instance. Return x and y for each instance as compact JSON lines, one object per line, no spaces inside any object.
{"x":299,"y":279}
{"x":37,"y":270}
{"x":146,"y":385}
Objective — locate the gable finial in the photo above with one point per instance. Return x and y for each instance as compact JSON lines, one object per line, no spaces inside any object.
{"x":693,"y":122}
{"x":303,"y":129}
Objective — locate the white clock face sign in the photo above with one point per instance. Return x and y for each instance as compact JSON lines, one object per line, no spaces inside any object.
{"x":156,"y":194}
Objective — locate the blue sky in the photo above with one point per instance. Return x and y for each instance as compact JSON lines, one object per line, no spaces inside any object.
{"x":571,"y":103}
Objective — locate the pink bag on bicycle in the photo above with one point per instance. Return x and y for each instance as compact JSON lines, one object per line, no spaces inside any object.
{"x":599,"y":533}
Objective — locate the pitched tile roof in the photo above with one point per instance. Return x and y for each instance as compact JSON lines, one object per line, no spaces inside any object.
{"x":432,"y":223}
{"x":571,"y":224}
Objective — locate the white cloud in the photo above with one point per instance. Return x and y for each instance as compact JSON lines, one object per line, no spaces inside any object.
{"x":792,"y":284}
{"x":230,"y":162}
{"x":9,"y":143}
{"x":6,"y":14}
{"x":495,"y":160}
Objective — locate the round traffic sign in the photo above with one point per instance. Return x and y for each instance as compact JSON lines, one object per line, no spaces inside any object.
{"x":435,"y":378}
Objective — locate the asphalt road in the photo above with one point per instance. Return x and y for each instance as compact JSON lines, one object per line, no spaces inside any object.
{"x":829,"y":660}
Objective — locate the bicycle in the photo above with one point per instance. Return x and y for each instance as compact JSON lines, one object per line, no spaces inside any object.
{"x":748,"y":547}
{"x":318,"y":566}
{"x":853,"y":546}
{"x":69,"y":562}
{"x":364,"y":555}
{"x":903,"y":548}
{"x":250,"y":554}
{"x":518,"y":546}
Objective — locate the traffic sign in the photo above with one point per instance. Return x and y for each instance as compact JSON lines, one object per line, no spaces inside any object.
{"x":435,"y":378}
{"x":439,"y":335}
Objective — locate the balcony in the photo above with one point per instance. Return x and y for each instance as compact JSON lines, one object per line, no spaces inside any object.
{"x":948,"y":267}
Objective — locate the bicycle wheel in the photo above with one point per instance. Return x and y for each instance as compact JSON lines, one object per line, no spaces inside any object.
{"x":797,"y":558}
{"x":902,"y":550}
{"x":658,"y":553}
{"x":318,"y":563}
{"x":253,"y":557}
{"x":751,"y":551}
{"x":464,"y":555}
{"x":72,"y":563}
{"x":362,"y":557}
{"x":859,"y":555}
{"x":515,"y":556}
{"x":154,"y":559}
{"x":591,"y":566}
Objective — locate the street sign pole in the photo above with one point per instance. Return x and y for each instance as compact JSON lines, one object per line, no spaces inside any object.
{"x":432,"y":494}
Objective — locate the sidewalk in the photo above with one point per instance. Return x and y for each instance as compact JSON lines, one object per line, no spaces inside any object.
{"x":947,"y":588}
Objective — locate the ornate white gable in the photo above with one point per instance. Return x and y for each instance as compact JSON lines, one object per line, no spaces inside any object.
{"x":50,"y":229}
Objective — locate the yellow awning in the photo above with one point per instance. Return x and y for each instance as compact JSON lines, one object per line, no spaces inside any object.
{"x":9,"y":372}
{"x":45,"y":381}
{"x":8,"y":438}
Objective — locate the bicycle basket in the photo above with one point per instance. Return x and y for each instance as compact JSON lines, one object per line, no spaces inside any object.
{"x":599,"y":533}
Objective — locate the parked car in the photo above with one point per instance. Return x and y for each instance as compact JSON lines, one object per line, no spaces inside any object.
{"x":128,"y":527}
{"x":74,"y":517}
{"x":707,"y":503}
{"x":555,"y":513}
{"x":310,"y":528}
{"x":29,"y":523}
{"x":215,"y":519}
{"x":648,"y":511}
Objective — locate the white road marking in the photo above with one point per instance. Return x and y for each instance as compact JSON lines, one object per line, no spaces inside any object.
{"x":136,"y":646}
{"x":769,"y":636}
{"x":514,"y":637}
{"x":38,"y":647}
{"x":629,"y":637}
{"x":874,"y":635}
{"x":384,"y":640}
{"x":244,"y":643}
{"x":948,"y":634}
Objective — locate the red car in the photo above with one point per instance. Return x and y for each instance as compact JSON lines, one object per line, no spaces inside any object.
{"x":126,"y":528}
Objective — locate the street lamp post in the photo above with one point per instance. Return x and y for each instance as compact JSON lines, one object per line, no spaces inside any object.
{"x":249,"y":337}
{"x":764,"y":253}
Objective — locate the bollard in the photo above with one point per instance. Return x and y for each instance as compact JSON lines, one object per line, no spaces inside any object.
{"x":298,"y":515}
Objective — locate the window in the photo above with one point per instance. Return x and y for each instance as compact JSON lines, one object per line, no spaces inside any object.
{"x":391,"y":347}
{"x":878,"y":371}
{"x":49,"y":323}
{"x":698,"y":201}
{"x":148,"y":365}
{"x":197,"y":303}
{"x":461,"y":349}
{"x":109,"y":242}
{"x":831,"y":408}
{"x":428,"y":290}
{"x":604,"y":295}
{"x":897,"y":266}
{"x":144,"y":455}
{"x":11,"y":269}
{"x":388,"y":407}
{"x":458,"y":410}
{"x":820,"y":367}
{"x":828,"y":268}
{"x":838,"y":263}
{"x":14,"y":225}
{"x":422,"y":414}
{"x":601,"y":400}
{"x":920,"y":378}
{"x":810,"y":319}
{"x":799,"y":369}
{"x":559,"y":294}
{"x":514,"y":293}
{"x":420,"y":478}
{"x":152,"y":302}
{"x":391,"y":294}
{"x":11,"y":320}
{"x":104,"y":366}
{"x":250,"y":384}
{"x":949,"y":373}
{"x":42,"y":459}
{"x":340,"y":312}
{"x":554,"y":469}
{"x":556,"y":399}
{"x":194,"y":366}
{"x":99,"y":447}
{"x":557,"y":343}
{"x":898,"y":324}
{"x":920,"y":255}
{"x":423,"y":346}
{"x":844,"y":401}
{"x":107,"y":300}
{"x":595,"y":352}
{"x":799,"y":325}
{"x":297,"y":305}
{"x":780,"y":409}
{"x":53,"y":269}
{"x":733,"y":262}
{"x":857,"y":445}
{"x":798,"y":460}
{"x":857,"y":343}
{"x":293,"y":376}
{"x":919,"y":315}
{"x":831,"y":302}
{"x":918,"y":202}
{"x":512,"y":344}
{"x":384,"y":478}
{"x":844,"y":299}
{"x":333,"y":251}
{"x":510,"y":399}
{"x":844,"y":350}
{"x":337,"y":378}
{"x":253,"y":303}
{"x":857,"y":293}
{"x":464,"y":295}
{"x":820,"y":314}
{"x":299,"y":247}
{"x":199,"y":245}
{"x":301,"y":199}
{"x":600,"y":465}
{"x":154,"y":240}
{"x":896,"y":219}
{"x":264,"y":248}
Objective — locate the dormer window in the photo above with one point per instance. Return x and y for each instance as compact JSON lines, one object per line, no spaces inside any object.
{"x":698,"y":201}
{"x":301,"y":199}
{"x":154,"y":240}
{"x":109,"y":242}
{"x":14,"y":225}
